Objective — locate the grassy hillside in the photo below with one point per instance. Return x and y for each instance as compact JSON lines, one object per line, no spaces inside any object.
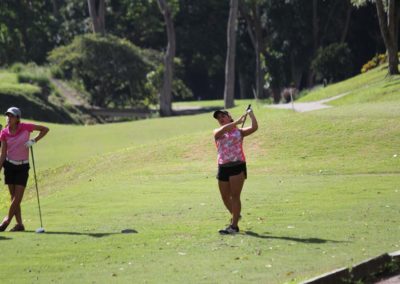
{"x":322,"y":193}
{"x":373,"y":86}
{"x":35,"y":97}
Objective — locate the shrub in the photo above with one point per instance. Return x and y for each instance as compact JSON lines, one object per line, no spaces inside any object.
{"x":32,"y":74}
{"x":155,"y":79}
{"x":17,"y":67}
{"x":34,"y":78}
{"x":111,"y":69}
{"x":56,"y":72}
{"x":28,"y":97}
{"x":377,"y":60}
{"x":27,"y":90}
{"x":332,"y":62}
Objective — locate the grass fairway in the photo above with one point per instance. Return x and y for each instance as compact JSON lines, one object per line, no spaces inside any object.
{"x":323,"y":192}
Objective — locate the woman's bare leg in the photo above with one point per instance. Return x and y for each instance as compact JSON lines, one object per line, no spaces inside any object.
{"x":225,"y":190}
{"x":15,"y":204}
{"x":236,"y":184}
{"x":11,"y":188}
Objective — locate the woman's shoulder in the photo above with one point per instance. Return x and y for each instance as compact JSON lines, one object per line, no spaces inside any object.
{"x":26,"y":126}
{"x":4,"y":132}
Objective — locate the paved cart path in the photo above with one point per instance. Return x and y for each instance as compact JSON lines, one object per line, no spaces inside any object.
{"x":310,"y":106}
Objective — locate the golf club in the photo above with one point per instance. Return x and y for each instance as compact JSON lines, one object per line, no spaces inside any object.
{"x":41,"y":229}
{"x":246,"y":115}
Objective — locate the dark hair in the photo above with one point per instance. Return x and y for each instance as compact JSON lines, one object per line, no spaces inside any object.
{"x":224,"y":112}
{"x":215,"y":114}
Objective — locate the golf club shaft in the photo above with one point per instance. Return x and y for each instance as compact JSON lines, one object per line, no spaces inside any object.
{"x":37,"y":190}
{"x":246,"y":115}
{"x":244,"y":120}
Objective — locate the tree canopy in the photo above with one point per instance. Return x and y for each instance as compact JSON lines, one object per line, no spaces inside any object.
{"x":279,"y":43}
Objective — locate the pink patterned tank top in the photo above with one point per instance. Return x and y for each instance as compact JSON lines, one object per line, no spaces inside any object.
{"x":230,"y":147}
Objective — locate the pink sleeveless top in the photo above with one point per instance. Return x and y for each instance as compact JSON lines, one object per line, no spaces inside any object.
{"x":16,"y":149}
{"x":230,"y":147}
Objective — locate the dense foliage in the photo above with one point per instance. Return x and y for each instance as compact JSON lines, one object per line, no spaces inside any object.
{"x":293,"y":34}
{"x":28,"y":86}
{"x":332,"y":63}
{"x":112,"y":70}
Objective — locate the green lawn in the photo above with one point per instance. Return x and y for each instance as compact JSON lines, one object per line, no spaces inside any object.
{"x":9,"y":86}
{"x":322,"y":193}
{"x":373,"y":86}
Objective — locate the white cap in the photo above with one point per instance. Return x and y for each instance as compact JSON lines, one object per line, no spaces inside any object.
{"x":14,"y":111}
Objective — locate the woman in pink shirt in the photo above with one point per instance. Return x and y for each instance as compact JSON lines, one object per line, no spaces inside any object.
{"x":14,"y":158}
{"x":231,"y":162}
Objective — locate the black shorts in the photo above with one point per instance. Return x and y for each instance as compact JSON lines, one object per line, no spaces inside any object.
{"x":224,"y":172}
{"x":16,"y":174}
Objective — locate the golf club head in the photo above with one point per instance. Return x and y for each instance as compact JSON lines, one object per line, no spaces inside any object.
{"x":39,"y":230}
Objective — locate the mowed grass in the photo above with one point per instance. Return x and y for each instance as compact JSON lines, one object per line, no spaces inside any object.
{"x":322,"y":193}
{"x":373,"y":86}
{"x":9,"y":85}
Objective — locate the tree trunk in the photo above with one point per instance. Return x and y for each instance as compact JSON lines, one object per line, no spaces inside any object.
{"x":259,"y":75}
{"x":259,"y":49}
{"x":242,"y":85}
{"x":388,"y":25}
{"x":393,"y":59}
{"x":55,"y":9}
{"x":332,"y":14}
{"x":276,"y":94}
{"x":347,"y":22}
{"x":166,"y":92}
{"x":97,"y":14}
{"x":296,"y":71}
{"x":229,"y":90}
{"x":315,"y":24}
{"x":257,"y":41}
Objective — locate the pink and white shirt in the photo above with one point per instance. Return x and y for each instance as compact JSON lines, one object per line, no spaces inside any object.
{"x":230,"y":147}
{"x":16,"y":149}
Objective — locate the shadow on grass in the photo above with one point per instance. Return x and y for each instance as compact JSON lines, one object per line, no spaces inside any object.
{"x":194,"y":110}
{"x":94,"y":235}
{"x":4,"y":238}
{"x":391,"y":84}
{"x":300,"y":240}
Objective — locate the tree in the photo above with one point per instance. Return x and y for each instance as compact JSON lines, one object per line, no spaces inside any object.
{"x":315,"y":25}
{"x":27,"y":31}
{"x":166,"y":92}
{"x":251,"y":11}
{"x":332,"y":62}
{"x":389,"y":25}
{"x":97,"y":14}
{"x":295,"y":33}
{"x":138,"y":20}
{"x":347,"y":21}
{"x":229,"y":90}
{"x":112,"y":70}
{"x":388,"y":12}
{"x":202,"y":45}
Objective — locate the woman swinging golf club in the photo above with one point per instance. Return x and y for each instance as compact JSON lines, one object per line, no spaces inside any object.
{"x":14,"y":158}
{"x":231,"y":162}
